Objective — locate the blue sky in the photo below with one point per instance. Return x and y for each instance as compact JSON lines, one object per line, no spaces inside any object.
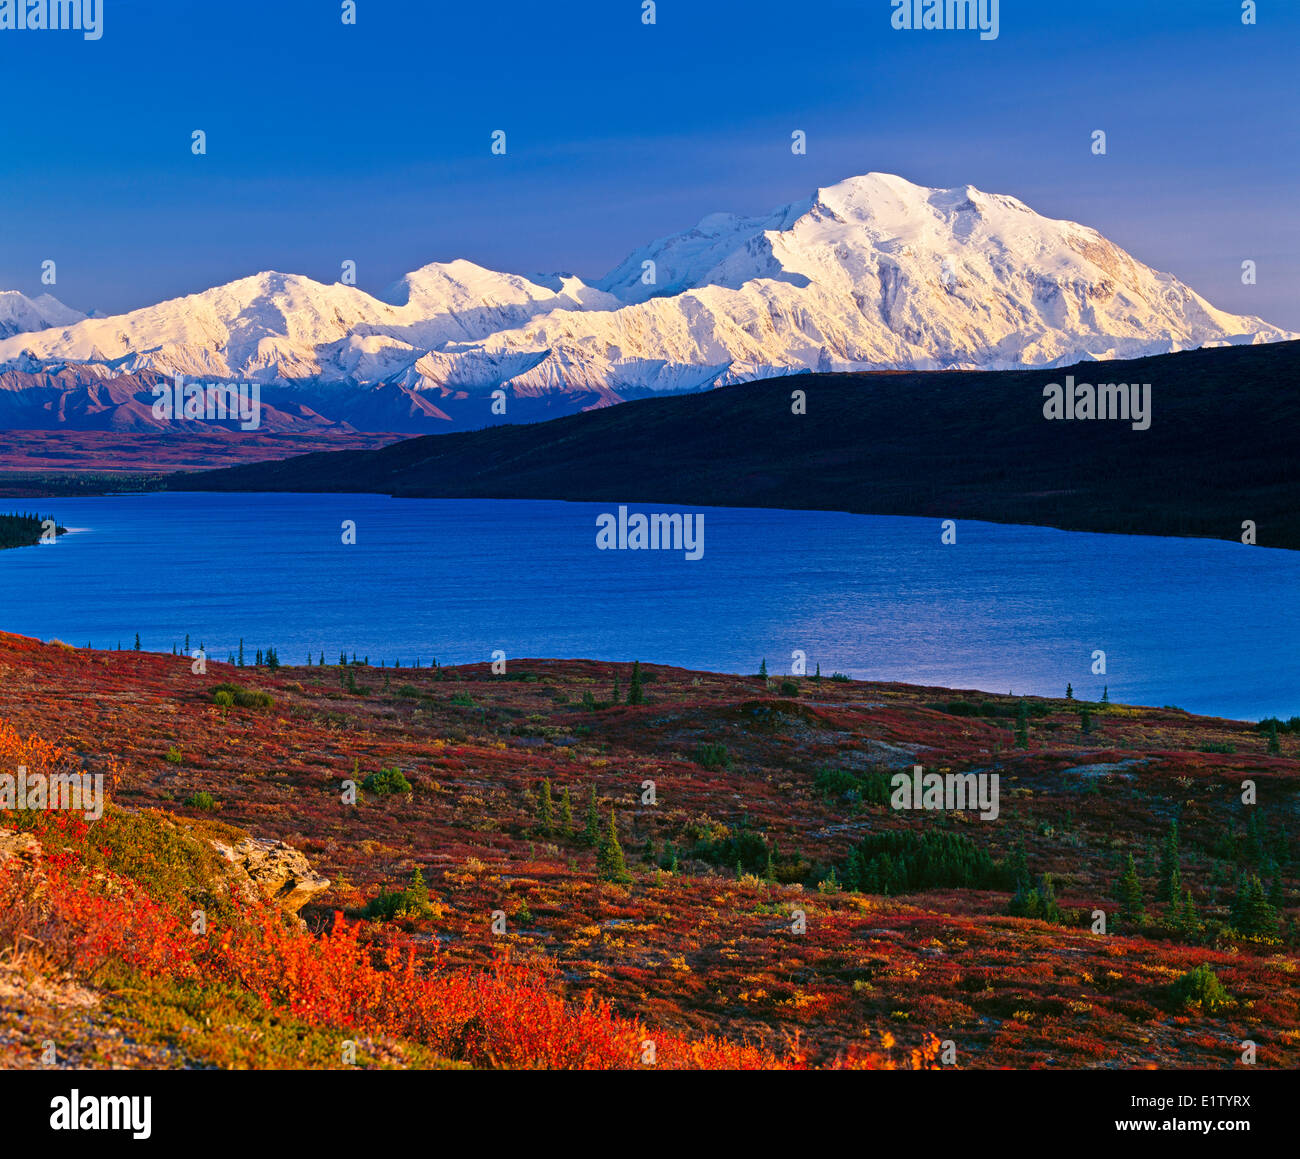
{"x":372,"y":142}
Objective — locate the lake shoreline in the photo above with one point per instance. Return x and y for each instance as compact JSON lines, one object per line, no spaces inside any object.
{"x":1155,"y":620}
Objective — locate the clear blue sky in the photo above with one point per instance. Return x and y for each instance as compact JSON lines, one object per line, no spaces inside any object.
{"x":371,"y":142}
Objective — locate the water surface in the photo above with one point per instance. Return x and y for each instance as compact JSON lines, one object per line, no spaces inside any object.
{"x":1206,"y":625}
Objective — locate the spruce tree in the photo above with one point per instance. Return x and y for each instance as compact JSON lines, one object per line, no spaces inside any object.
{"x":1251,"y":913}
{"x":592,"y":834}
{"x":1129,"y":892}
{"x":610,"y":865}
{"x":1069,"y":691}
{"x":566,"y":811}
{"x":1274,"y":745}
{"x":1105,"y":694}
{"x":635,"y":695}
{"x":1039,"y":902}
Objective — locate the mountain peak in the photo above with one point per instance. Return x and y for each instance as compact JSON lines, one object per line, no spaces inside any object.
{"x":20,"y":314}
{"x":872,"y":272}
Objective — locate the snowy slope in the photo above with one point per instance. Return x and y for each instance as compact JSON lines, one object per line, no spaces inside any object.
{"x":20,"y":314}
{"x":874,"y":272}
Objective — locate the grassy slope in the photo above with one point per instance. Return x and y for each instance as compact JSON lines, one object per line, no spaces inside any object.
{"x":701,"y":951}
{"x":1220,"y":449}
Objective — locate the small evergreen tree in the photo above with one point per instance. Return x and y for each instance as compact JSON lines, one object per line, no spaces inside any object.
{"x":137,"y":648}
{"x":1085,"y":721}
{"x":1274,"y":745}
{"x":1069,"y":691}
{"x":1186,"y":921}
{"x":610,"y":865}
{"x":1105,"y":694}
{"x":762,"y":668}
{"x":1251,"y":913}
{"x":635,"y":694}
{"x":566,"y":811}
{"x":1129,"y":892}
{"x":1201,"y":989}
{"x":1039,"y":902}
{"x":592,"y":833}
{"x":417,"y":892}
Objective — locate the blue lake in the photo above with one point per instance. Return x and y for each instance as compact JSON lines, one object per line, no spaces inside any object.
{"x":1209,"y":626}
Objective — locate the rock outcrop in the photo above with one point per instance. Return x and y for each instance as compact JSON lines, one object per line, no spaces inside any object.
{"x":22,"y":846}
{"x":277,"y":871}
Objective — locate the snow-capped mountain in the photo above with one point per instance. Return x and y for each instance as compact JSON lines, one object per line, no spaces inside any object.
{"x":872,"y":273}
{"x":20,"y":314}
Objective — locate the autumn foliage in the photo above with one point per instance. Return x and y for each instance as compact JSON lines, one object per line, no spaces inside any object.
{"x":86,"y":921}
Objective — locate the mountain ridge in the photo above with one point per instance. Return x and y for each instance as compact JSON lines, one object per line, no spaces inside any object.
{"x":871,"y":273}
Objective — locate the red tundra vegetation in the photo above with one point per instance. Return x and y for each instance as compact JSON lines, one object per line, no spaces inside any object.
{"x":527,"y":870}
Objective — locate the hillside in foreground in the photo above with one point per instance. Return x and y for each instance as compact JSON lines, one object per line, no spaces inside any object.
{"x":452,"y":917}
{"x":1220,"y":449}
